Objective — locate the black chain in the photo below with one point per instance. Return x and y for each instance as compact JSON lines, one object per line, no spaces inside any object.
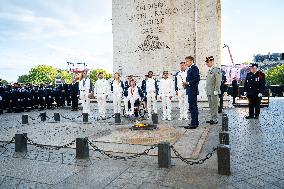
{"x":4,"y":145}
{"x":145,"y":152}
{"x":201,"y":161}
{"x":71,"y":119}
{"x":47,"y":147}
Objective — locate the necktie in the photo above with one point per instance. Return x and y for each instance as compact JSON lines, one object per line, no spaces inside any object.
{"x":132,"y":91}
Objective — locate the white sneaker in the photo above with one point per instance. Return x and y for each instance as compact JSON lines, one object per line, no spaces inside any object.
{"x":169,"y":119}
{"x":164,"y":118}
{"x":186,"y":118}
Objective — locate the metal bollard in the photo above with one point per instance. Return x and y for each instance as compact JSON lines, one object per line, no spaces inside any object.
{"x":164,"y":155}
{"x":224,"y":138}
{"x":56,"y":117}
{"x":155,"y":118}
{"x":85,"y":117}
{"x":43,"y":116}
{"x":25,"y":119}
{"x":82,"y":148}
{"x":117,"y":118}
{"x":223,"y":158}
{"x":225,"y":122}
{"x":20,"y":142}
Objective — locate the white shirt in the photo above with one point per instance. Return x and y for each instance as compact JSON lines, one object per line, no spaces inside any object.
{"x":101,"y":87}
{"x":181,"y":77}
{"x":166,"y":87}
{"x":84,"y":85}
{"x":117,"y":89}
{"x":150,"y":85}
{"x":133,"y":92}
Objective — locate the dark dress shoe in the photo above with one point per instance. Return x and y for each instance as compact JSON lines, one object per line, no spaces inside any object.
{"x":256,"y":117}
{"x":209,"y":121}
{"x":213,"y":122}
{"x":249,"y":117}
{"x":191,"y":127}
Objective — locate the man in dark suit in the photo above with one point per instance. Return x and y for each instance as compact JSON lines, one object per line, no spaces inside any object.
{"x":191,"y":84}
{"x":254,"y":88}
{"x":74,"y":91}
{"x":235,"y":90}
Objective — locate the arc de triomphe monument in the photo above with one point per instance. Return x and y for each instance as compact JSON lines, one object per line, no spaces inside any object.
{"x":158,"y":34}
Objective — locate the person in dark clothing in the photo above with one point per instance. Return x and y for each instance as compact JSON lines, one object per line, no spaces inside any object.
{"x":222,"y":89}
{"x":191,"y":85}
{"x":235,"y":90}
{"x":41,"y":97}
{"x":74,"y":91}
{"x":66,"y":88}
{"x":254,"y":88}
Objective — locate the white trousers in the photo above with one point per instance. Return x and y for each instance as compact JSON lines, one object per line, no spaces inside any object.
{"x":132,"y":100}
{"x":85,"y":100}
{"x":167,"y":107}
{"x":151,"y":102}
{"x":116,"y":98}
{"x":183,"y":104}
{"x":101,"y":99}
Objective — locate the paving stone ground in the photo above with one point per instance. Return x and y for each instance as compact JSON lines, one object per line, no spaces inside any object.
{"x":257,"y":155}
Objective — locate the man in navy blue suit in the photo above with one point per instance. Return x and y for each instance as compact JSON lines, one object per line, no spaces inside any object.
{"x":191,"y":85}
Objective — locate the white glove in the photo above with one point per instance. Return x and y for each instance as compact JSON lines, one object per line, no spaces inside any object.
{"x":215,"y":92}
{"x":259,"y":95}
{"x":245,"y":93}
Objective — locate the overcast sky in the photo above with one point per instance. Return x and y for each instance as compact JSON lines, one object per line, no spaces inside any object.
{"x":52,"y":32}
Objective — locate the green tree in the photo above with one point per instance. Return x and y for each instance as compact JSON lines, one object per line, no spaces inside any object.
{"x":42,"y":74}
{"x":66,"y":76}
{"x":94,"y":74}
{"x":23,"y":79}
{"x":2,"y":81}
{"x":275,"y":75}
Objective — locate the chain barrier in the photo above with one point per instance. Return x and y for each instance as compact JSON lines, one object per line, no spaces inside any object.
{"x":4,"y":145}
{"x":116,"y":157}
{"x":47,"y":147}
{"x":201,"y":161}
{"x":71,"y":119}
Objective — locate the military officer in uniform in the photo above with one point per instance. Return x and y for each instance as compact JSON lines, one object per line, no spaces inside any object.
{"x":101,"y":92}
{"x":213,"y":82}
{"x":253,"y":88}
{"x":85,"y":88}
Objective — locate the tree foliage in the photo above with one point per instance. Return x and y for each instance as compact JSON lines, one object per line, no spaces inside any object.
{"x":275,"y":76}
{"x":94,"y":74}
{"x":42,"y":74}
{"x":23,"y":79}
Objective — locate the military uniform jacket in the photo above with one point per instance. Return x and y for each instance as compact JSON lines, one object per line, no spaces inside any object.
{"x":213,"y":81}
{"x":192,"y":80}
{"x":254,"y":83}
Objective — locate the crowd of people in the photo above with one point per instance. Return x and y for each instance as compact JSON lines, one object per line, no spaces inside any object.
{"x":183,"y":85}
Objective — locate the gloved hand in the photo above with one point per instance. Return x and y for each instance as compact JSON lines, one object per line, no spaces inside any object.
{"x":215,"y":92}
{"x":245,"y":93}
{"x":259,"y":95}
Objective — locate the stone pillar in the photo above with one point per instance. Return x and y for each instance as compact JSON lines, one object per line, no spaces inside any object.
{"x":224,"y":138}
{"x":56,"y":117}
{"x":21,"y":142}
{"x":225,"y":122}
{"x":25,"y":119}
{"x":223,"y":158}
{"x":117,"y":118}
{"x":155,"y":118}
{"x":164,"y":155}
{"x":43,"y":116}
{"x":82,"y":148}
{"x":85,"y":118}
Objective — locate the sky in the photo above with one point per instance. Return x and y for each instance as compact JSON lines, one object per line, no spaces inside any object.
{"x":55,"y":32}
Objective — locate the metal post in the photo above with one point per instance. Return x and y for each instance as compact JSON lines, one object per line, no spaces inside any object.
{"x":56,"y":117}
{"x":85,"y":117}
{"x":43,"y":116}
{"x":155,"y":118}
{"x":21,"y":142}
{"x":117,"y":118}
{"x":164,"y":155}
{"x":225,"y":121}
{"x":223,"y":158}
{"x":82,"y":148}
{"x":25,"y":119}
{"x":224,"y":138}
